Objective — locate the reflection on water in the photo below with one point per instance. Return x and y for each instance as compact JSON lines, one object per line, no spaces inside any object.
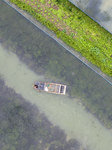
{"x":60,"y":110}
{"x":99,"y":10}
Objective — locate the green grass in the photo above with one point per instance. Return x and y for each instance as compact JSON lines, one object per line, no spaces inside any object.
{"x":90,"y":39}
{"x":82,"y":83}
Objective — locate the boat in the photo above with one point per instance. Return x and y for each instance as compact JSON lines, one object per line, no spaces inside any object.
{"x":54,"y":88}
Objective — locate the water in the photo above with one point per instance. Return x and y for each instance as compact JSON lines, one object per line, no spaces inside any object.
{"x":23,"y":38}
{"x":69,"y":115}
{"x":99,"y":10}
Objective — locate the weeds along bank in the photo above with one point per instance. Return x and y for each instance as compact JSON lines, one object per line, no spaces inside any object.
{"x":74,"y":28}
{"x":26,"y":41}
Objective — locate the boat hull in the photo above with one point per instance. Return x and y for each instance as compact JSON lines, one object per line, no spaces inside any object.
{"x":48,"y":87}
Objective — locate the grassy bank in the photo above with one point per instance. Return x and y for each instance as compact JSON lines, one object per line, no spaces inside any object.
{"x":74,"y":28}
{"x":20,"y":36}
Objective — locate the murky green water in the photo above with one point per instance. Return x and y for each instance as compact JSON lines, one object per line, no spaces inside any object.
{"x":69,"y":115}
{"x":99,"y":10}
{"x":46,"y":57}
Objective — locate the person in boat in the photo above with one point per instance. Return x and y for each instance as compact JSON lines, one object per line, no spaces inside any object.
{"x":36,"y":86}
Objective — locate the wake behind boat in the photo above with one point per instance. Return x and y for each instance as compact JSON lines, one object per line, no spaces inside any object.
{"x":54,"y":88}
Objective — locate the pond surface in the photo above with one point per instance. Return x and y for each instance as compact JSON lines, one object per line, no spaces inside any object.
{"x":69,"y":115}
{"x":99,"y":10}
{"x":28,"y":55}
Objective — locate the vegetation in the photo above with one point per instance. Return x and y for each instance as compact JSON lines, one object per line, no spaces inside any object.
{"x":23,"y":127}
{"x":74,"y":28}
{"x":41,"y":54}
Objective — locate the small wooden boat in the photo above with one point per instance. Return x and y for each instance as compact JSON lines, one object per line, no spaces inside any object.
{"x":54,"y":88}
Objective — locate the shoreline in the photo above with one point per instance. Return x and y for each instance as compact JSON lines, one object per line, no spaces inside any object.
{"x":44,"y":49}
{"x":53,"y":35}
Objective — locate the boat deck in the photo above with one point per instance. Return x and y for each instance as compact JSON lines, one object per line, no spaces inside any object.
{"x":54,"y":88}
{"x":50,"y":87}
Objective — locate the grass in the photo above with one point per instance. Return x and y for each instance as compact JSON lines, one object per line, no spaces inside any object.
{"x":43,"y":58}
{"x":74,"y":28}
